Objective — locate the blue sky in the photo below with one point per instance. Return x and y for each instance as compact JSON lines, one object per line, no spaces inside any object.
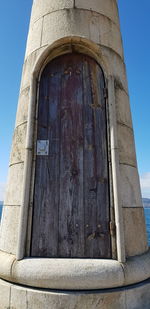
{"x":135,"y":26}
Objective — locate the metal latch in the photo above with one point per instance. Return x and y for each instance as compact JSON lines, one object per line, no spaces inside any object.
{"x":96,"y":235}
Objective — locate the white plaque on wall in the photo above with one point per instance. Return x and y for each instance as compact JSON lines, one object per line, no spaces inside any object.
{"x":42,"y":147}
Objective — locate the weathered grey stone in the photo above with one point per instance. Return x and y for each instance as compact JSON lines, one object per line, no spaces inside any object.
{"x":4,"y":294}
{"x":108,"y":33}
{"x":130,"y":186}
{"x":134,"y":297}
{"x":76,"y":300}
{"x":34,"y":36}
{"x":18,"y":144}
{"x":9,"y":229}
{"x":18,"y":298}
{"x":83,"y":24}
{"x":138,"y":298}
{"x":64,"y":23}
{"x":126,"y":145}
{"x":135,"y":231}
{"x":137,"y":268}
{"x":6,"y":261}
{"x":107,"y":8}
{"x":47,"y":7}
{"x":123,"y":107}
{"x":76,"y":274}
{"x":95,"y":25}
{"x":114,"y":66}
{"x":25,"y":298}
{"x":13,"y":195}
{"x":28,"y":68}
{"x":22,"y":110}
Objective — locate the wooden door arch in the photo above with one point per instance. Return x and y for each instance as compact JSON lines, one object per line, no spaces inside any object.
{"x":71,"y":211}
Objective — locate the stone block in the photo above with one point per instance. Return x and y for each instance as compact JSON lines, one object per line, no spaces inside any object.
{"x":94,"y":27}
{"x":107,"y":8}
{"x":123,"y":107}
{"x":76,"y":300}
{"x":138,"y":298}
{"x":134,"y":297}
{"x":18,"y":298}
{"x":130,"y":187}
{"x":126,"y":145}
{"x":103,"y":31}
{"x":22,"y":110}
{"x":135,"y":231}
{"x":18,"y":144}
{"x":4,"y":294}
{"x":13,"y":195}
{"x":6,"y":262}
{"x":9,"y":229}
{"x":34,"y":36}
{"x":28,"y":67}
{"x":47,"y":7}
{"x":114,"y":66}
{"x":137,"y":269}
{"x":65,"y":23}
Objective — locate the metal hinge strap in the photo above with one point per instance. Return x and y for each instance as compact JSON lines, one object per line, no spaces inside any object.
{"x":112,"y":228}
{"x":105,"y":90}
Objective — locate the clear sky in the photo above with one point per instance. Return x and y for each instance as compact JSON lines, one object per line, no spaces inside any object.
{"x":135,"y":26}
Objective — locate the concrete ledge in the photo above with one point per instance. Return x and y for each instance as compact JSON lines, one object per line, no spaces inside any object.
{"x":74,"y":274}
{"x":137,"y":268}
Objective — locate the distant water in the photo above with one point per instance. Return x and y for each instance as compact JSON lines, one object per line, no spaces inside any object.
{"x":147,"y":216}
{"x":1,"y":211}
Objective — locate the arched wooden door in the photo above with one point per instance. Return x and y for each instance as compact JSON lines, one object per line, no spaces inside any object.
{"x":71,"y":191}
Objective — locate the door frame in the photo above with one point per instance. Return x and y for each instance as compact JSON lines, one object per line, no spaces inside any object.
{"x":88,"y":48}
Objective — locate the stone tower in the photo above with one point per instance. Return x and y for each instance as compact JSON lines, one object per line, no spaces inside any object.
{"x":73,"y":230}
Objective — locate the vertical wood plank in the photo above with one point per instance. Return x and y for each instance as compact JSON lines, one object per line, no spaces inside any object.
{"x":97,"y":239}
{"x":46,"y":196}
{"x":71,"y":225}
{"x":39,"y":202}
{"x":103,"y":199}
{"x":90,"y":207}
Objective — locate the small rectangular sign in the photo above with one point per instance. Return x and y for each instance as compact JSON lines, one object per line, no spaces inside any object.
{"x":42,"y":147}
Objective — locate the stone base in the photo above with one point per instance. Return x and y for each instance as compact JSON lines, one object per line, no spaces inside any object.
{"x":18,"y":297}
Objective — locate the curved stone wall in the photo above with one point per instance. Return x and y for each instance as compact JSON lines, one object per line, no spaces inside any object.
{"x":75,"y":23}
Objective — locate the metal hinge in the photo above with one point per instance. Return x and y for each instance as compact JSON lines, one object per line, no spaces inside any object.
{"x":105,"y":90}
{"x":112,"y":228}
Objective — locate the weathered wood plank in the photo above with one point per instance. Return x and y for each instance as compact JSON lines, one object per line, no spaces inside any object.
{"x":103,"y":214}
{"x":90,"y":206}
{"x":71,"y":216}
{"x":46,"y":196}
{"x":97,"y":240}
